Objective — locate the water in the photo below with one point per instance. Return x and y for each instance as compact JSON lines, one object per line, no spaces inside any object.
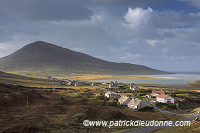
{"x":169,"y":80}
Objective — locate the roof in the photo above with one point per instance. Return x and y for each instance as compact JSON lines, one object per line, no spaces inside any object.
{"x":123,"y":98}
{"x":154,"y":91}
{"x":162,"y":96}
{"x":108,"y":92}
{"x":134,"y":102}
{"x":137,"y":102}
{"x":131,"y":102}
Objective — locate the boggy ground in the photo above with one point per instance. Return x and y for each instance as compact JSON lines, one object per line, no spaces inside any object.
{"x":27,"y":111}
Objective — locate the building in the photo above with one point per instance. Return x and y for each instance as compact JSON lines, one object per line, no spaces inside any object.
{"x":112,"y":95}
{"x":135,"y":104}
{"x":155,"y":93}
{"x":78,"y":84}
{"x":120,"y":85}
{"x":124,"y":100}
{"x":134,"y":88}
{"x":165,"y":99}
{"x":113,"y":84}
{"x":148,"y":96}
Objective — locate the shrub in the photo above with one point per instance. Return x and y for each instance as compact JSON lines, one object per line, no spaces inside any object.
{"x":112,"y":102}
{"x":146,"y":108}
{"x":166,"y":105}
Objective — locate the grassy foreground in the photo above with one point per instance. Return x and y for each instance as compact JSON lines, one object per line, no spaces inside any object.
{"x":37,"y":110}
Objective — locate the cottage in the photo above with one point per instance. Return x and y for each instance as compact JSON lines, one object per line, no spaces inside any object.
{"x":135,"y":104}
{"x":165,"y":99}
{"x":78,"y":84}
{"x":113,"y":84}
{"x":148,"y":96}
{"x":124,"y":100}
{"x":120,"y":85}
{"x":112,"y":95}
{"x":156,"y":93}
{"x":54,"y":79}
{"x":134,"y":88}
{"x":48,"y":77}
{"x":62,"y":83}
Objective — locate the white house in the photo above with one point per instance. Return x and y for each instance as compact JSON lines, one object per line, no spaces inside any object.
{"x":78,"y":84}
{"x":134,"y":88}
{"x":135,"y":104}
{"x":124,"y":100}
{"x":112,"y":95}
{"x":165,"y":99}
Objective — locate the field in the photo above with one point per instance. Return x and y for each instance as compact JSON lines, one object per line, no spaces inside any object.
{"x":195,"y":83}
{"x":193,"y":128}
{"x":80,"y":76}
{"x":26,"y":110}
{"x":41,"y":105}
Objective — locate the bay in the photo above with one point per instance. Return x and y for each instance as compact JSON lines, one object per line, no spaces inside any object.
{"x":179,"y":79}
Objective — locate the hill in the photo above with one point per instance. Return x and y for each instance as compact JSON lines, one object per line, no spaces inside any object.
{"x":45,"y":58}
{"x":8,"y":78}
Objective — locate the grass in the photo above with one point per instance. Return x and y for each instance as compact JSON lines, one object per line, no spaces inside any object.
{"x":193,"y":128}
{"x":196,"y":110}
{"x":81,"y":76}
{"x":13,"y":79}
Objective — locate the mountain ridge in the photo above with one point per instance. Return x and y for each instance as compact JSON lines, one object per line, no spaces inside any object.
{"x":47,"y":57}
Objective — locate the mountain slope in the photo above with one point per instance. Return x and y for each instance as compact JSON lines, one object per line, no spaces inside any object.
{"x":48,"y":58}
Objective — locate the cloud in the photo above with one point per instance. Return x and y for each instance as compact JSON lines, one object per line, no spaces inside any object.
{"x":153,"y":43}
{"x":128,"y":56}
{"x":195,"y":3}
{"x":111,"y":30}
{"x":138,"y":17}
{"x":56,"y":10}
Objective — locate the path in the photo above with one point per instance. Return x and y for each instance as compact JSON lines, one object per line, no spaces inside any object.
{"x":154,"y":128}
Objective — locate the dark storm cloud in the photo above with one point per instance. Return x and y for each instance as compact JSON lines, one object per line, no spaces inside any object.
{"x":155,"y":33}
{"x":46,"y":9}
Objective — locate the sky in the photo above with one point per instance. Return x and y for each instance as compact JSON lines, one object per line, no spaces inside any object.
{"x":161,"y":34}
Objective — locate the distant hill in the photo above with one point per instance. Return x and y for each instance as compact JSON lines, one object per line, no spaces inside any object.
{"x":45,"y":58}
{"x":13,"y":79}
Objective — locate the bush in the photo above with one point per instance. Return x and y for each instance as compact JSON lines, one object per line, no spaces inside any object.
{"x":112,"y":102}
{"x":77,"y":119}
{"x":146,"y":108}
{"x":166,"y":105}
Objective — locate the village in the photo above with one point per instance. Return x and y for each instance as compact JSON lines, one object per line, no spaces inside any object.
{"x":137,"y":103}
{"x":110,"y":90}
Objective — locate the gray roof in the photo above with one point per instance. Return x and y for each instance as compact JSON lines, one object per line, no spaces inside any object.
{"x":123,"y":98}
{"x":135,"y":102}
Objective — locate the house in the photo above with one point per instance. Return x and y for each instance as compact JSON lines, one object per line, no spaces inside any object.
{"x":156,"y":93}
{"x":112,"y":95}
{"x":62,"y":82}
{"x":148,"y":96}
{"x":54,"y":79}
{"x":95,"y":84}
{"x":135,"y":104}
{"x":48,"y":77}
{"x":78,"y":84}
{"x":124,"y":100}
{"x":113,"y":84}
{"x":134,"y":88}
{"x":120,"y":85}
{"x":165,"y":99}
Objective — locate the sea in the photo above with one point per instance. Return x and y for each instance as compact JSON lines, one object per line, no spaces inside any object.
{"x":177,"y":79}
